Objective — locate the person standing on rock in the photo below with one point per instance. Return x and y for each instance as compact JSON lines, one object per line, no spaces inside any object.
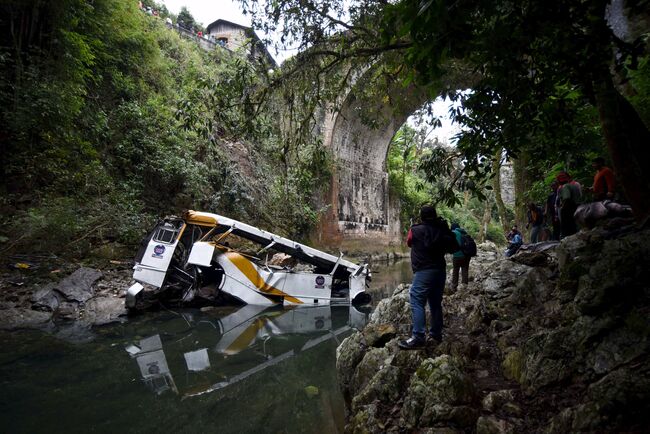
{"x":429,"y":241}
{"x":535,"y":218}
{"x":569,"y":195}
{"x":550,"y":213}
{"x":604,"y":183}
{"x":459,"y":260}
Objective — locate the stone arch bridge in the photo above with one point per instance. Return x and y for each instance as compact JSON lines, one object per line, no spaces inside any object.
{"x":362,"y":214}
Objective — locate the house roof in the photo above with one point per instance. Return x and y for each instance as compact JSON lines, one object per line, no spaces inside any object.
{"x":220,"y":21}
{"x":249,"y":31}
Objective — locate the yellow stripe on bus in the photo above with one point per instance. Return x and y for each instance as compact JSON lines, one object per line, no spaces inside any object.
{"x":249,"y":270}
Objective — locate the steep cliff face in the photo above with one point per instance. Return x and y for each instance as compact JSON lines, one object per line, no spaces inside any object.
{"x":555,"y":339}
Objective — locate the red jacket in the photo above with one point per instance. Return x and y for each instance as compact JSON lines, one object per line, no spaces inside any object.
{"x":604,"y":183}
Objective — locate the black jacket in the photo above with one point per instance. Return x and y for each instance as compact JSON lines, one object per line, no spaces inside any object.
{"x":429,"y":241}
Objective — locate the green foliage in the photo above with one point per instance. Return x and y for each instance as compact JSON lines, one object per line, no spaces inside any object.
{"x":536,"y":70}
{"x":109,"y":119}
{"x":408,"y":151}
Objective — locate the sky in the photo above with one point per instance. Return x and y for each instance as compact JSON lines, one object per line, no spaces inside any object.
{"x":207,"y":11}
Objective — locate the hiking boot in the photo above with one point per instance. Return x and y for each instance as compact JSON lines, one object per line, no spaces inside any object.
{"x":411,"y":343}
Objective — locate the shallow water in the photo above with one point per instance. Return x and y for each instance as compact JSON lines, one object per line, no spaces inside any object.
{"x":247,"y":369}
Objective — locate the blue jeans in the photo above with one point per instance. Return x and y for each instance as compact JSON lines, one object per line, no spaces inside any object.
{"x":427,"y":287}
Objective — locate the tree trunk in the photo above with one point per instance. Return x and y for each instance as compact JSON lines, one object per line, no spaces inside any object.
{"x":522,"y":186}
{"x":487,"y":216}
{"x":496,"y":187}
{"x":628,"y":140}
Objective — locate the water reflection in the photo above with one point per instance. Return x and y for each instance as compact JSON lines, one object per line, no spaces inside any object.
{"x":385,"y":278}
{"x":230,"y":348}
{"x":94,"y":385}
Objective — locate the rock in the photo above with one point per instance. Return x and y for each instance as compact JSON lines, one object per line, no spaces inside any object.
{"x":437,"y":385}
{"x":16,"y":318}
{"x":45,"y":299}
{"x":621,"y":397}
{"x":104,"y":310}
{"x":78,"y":286}
{"x":376,"y":335}
{"x":366,"y":420}
{"x":348,"y":356}
{"x":512,"y":409}
{"x":513,"y":365}
{"x":567,"y":321}
{"x":373,"y":361}
{"x":463,"y":415}
{"x":492,"y":425}
{"x":439,"y":430}
{"x":532,"y":259}
{"x":503,"y":278}
{"x":497,"y":399}
{"x":536,"y":255}
{"x":394,"y":310}
{"x":282,"y":260}
{"x":487,"y":246}
{"x":384,"y":386}
{"x":67,"y":311}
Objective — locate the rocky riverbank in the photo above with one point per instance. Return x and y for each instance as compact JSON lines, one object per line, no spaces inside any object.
{"x":555,"y":339}
{"x":67,"y":300}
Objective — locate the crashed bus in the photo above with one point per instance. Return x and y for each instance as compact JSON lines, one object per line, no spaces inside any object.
{"x":188,"y":259}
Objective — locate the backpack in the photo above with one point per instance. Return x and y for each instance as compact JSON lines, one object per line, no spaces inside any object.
{"x":467,"y":245}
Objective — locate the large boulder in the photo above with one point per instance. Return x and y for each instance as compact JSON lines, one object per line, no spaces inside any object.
{"x":104,"y":310}
{"x":437,"y":387}
{"x":45,"y":299}
{"x":373,"y":361}
{"x":16,"y":318}
{"x":348,"y":356}
{"x":77,"y":287}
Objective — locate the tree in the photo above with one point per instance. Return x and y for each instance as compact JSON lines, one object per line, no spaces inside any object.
{"x":185,"y":19}
{"x":538,"y":65}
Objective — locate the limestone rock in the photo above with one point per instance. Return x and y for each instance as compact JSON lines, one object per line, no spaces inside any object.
{"x":437,"y":385}
{"x":348,"y":356}
{"x":492,"y":425}
{"x":513,"y":365}
{"x":366,"y":421}
{"x":372,"y":362}
{"x":45,"y":299}
{"x":104,"y":310}
{"x":376,"y":335}
{"x":395,"y":310}
{"x":567,"y":321}
{"x":77,"y":287}
{"x":384,"y":386}
{"x":497,"y":399}
{"x":16,"y":318}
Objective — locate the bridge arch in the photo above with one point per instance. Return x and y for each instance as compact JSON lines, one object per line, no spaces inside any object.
{"x":361,"y":209}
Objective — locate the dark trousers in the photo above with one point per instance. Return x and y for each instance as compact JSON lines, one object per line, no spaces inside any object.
{"x":556,"y":229}
{"x":462,"y":265}
{"x":567,"y":221}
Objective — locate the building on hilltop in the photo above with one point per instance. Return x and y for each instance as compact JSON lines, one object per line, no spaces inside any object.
{"x":235,"y":36}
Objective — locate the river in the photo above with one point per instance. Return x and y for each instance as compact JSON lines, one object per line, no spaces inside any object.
{"x":227,"y":370}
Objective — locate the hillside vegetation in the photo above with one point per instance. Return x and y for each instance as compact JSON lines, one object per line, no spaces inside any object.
{"x":108,"y":119}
